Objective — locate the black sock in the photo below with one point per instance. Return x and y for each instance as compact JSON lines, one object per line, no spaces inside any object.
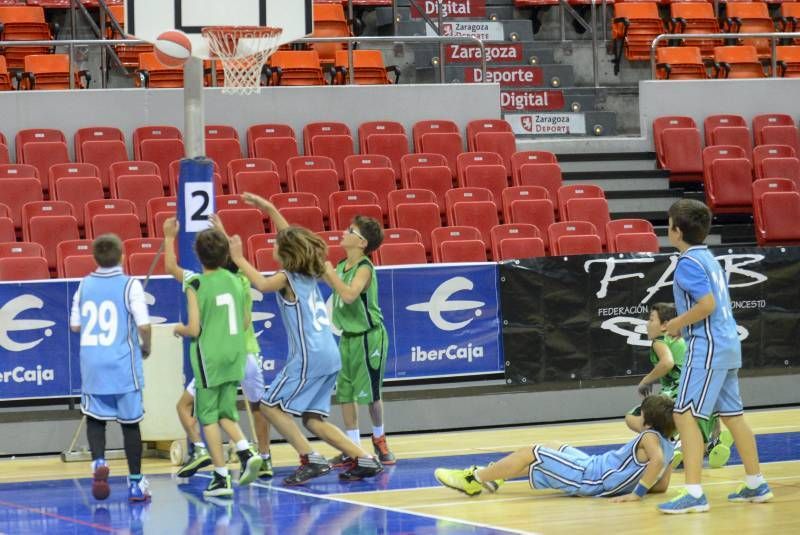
{"x":96,"y":434}
{"x":133,"y":447}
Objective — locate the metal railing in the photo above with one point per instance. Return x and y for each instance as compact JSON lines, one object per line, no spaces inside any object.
{"x":772,"y":36}
{"x":436,"y":39}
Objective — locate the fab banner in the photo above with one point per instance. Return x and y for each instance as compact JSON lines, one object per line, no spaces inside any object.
{"x":569,"y":319}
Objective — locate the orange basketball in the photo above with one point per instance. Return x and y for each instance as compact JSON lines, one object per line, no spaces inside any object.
{"x":173,"y":48}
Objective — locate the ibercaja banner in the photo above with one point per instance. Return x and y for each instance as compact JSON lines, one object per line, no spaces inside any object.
{"x":578,"y":318}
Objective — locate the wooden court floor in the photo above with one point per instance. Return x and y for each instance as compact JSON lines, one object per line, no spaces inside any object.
{"x":518,"y":508}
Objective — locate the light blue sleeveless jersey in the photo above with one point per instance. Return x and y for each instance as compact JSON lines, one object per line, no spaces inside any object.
{"x":312,"y":349}
{"x":111,"y":360}
{"x":618,"y":471}
{"x":714,"y":341}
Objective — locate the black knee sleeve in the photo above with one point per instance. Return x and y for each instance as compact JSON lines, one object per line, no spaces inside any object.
{"x":96,"y":434}
{"x":132,"y":439}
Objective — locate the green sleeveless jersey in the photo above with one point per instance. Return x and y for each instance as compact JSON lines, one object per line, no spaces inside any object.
{"x":677,"y":346}
{"x":363,"y":314}
{"x":218,"y":353}
{"x":250,"y":340}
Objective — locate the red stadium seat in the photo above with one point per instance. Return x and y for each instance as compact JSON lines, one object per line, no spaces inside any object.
{"x":470,"y":159}
{"x":142,"y":245}
{"x":760,"y":187}
{"x":678,"y":146}
{"x":436,"y":179}
{"x":449,"y":145}
{"x":579,"y":244}
{"x":7,"y":231}
{"x":472,"y":194}
{"x":781,"y":135}
{"x":42,"y":155}
{"x":453,"y":233}
{"x":520,"y":193}
{"x":518,"y":159}
{"x":249,"y":165}
{"x":36,"y":135}
{"x":364,"y":161}
{"x":635,"y":26}
{"x":509,"y":231}
{"x":563,"y":229}
{"x":12,"y":249}
{"x":70,"y":170}
{"x":695,"y":17}
{"x":307,"y":162}
{"x":625,"y":226}
{"x":728,"y":179}
{"x":422,"y":217}
{"x":479,"y":214}
{"x":309,"y":217}
{"x":380,"y":181}
{"x":16,"y":192}
{"x":153,"y":132}
{"x":264,"y":260}
{"x":491,"y":177}
{"x":592,"y":210}
{"x":323,"y":128}
{"x":577,"y":191}
{"x":78,"y":266}
{"x":222,"y":152}
{"x":726,"y":120}
{"x":776,"y":209}
{"x":681,"y":63}
{"x":393,"y":146}
{"x":320,"y":182}
{"x":162,"y":152}
{"x":126,"y":226}
{"x":637,"y":242}
{"x":421,"y":128}
{"x":220,"y":131}
{"x":245,"y":222}
{"x":396,"y":254}
{"x":335,"y":147}
{"x":464,"y":251}
{"x":502,"y":143}
{"x":771,"y":151}
{"x":545,"y":175}
{"x":139,"y":189}
{"x":18,"y":170}
{"x":408,"y":196}
{"x":769,"y":119}
{"x":139,"y":264}
{"x":49,"y":231}
{"x":77,"y":192}
{"x":401,"y":235}
{"x":780,"y":168}
{"x":514,"y":248}
{"x":94,"y":133}
{"x":342,"y":198}
{"x":484,"y":125}
{"x":266,"y":130}
{"x":71,"y":248}
{"x":131,"y":168}
{"x":257,"y":242}
{"x":293,"y":200}
{"x":537,"y":212}
{"x":230,"y":202}
{"x":42,"y":208}
{"x":750,"y":17}
{"x":346,"y":212}
{"x":278,"y":149}
{"x":365,"y":130}
{"x":263,"y":183}
{"x":25,"y":268}
{"x":103,"y":154}
{"x":159,"y":205}
{"x":410,"y":161}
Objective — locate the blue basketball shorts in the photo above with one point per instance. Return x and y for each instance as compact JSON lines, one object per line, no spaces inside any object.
{"x":125,"y":408}
{"x":296,"y":395}
{"x":709,"y":392}
{"x":561,"y":469}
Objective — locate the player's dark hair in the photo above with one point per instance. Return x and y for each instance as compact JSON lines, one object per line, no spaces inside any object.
{"x":693,"y":218}
{"x":301,"y":251}
{"x":371,"y":230}
{"x":657,"y":414}
{"x":107,"y":250}
{"x":211,"y":247}
{"x":665,"y":311}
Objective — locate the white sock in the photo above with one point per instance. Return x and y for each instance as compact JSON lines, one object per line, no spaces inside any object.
{"x":753,"y":482}
{"x":242,"y":445}
{"x":695,"y":490}
{"x":222,"y":471}
{"x":265,"y":456}
{"x":354,"y":436}
{"x":199,"y":444}
{"x":377,"y":432}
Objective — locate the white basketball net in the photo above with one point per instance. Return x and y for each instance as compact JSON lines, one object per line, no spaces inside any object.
{"x":243,"y":51}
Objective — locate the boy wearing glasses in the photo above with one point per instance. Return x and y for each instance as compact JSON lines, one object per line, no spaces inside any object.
{"x":364,"y":343}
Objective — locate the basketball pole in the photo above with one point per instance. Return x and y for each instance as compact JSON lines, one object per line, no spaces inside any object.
{"x":194,"y":116}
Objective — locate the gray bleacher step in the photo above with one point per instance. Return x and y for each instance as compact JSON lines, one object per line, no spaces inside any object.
{"x":513,"y":30}
{"x":643,"y":207}
{"x":632,"y":166}
{"x":624,"y":184}
{"x":613,"y":173}
{"x":605,"y":156}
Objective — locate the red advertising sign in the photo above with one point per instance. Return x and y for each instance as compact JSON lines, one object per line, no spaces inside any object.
{"x":522,"y":76}
{"x":542,"y":100}
{"x":450,"y":8}
{"x":494,"y":53}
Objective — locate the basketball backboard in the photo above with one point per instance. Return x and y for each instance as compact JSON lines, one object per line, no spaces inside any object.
{"x":147,"y":19}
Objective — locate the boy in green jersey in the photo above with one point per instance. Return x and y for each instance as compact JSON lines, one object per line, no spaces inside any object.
{"x":252,"y":385}
{"x":364,"y":343}
{"x":215,"y":305}
{"x":667,"y":357}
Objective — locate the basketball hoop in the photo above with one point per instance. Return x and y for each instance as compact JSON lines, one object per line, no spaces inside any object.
{"x":243,"y":51}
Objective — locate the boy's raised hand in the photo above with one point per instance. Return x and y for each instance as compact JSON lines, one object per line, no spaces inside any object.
{"x":170,"y":227}
{"x":644,"y":389}
{"x":257,"y":201}
{"x":216,"y":223}
{"x":673,"y":328}
{"x":235,"y":244}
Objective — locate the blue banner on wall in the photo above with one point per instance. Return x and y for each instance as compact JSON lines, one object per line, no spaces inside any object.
{"x":442,"y":321}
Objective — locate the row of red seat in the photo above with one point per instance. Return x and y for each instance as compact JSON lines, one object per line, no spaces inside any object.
{"x":686,"y":63}
{"x":28,"y":260}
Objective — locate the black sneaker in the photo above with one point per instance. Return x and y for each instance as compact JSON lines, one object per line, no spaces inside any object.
{"x":250,"y":464}
{"x":361,"y":468}
{"x":199,"y":459}
{"x":311,"y":466}
{"x":219,"y":486}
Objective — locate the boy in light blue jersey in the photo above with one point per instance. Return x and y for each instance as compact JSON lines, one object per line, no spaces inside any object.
{"x":709,"y":382}
{"x":110,"y":312}
{"x":627,"y":473}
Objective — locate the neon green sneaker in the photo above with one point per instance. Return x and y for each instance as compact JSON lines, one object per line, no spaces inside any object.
{"x":199,"y":459}
{"x":677,"y":459}
{"x":465,"y":481}
{"x":726,"y":437}
{"x":719,"y":455}
{"x":266,"y":472}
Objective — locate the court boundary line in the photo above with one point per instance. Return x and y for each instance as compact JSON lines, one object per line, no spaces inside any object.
{"x":101,"y":527}
{"x":335,"y":498}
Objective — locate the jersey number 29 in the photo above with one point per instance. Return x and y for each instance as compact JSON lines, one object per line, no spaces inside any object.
{"x":104,"y":317}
